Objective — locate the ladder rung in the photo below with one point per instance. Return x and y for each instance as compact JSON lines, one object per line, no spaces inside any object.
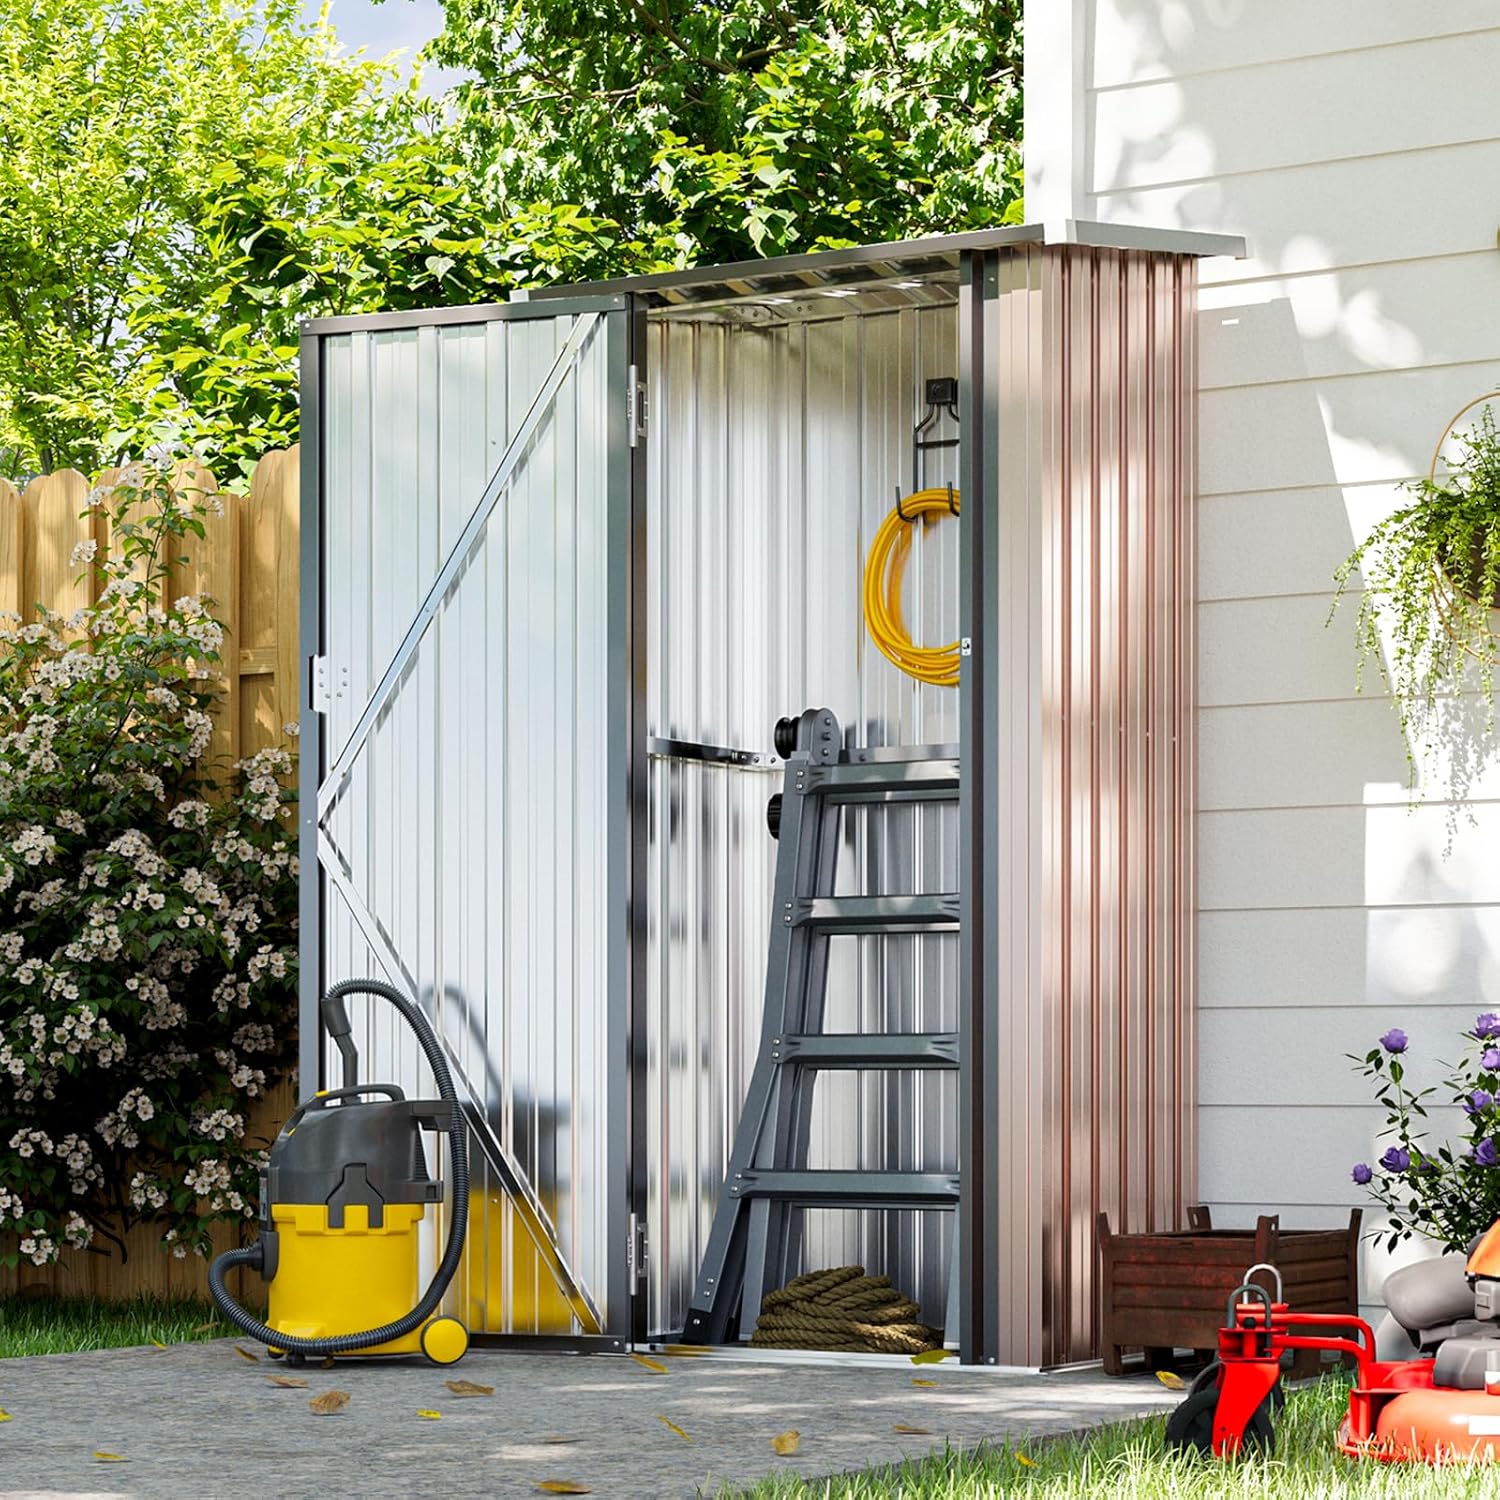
{"x":921,"y":780}
{"x":906,"y":913}
{"x":849,"y":1189}
{"x":917,"y":1049}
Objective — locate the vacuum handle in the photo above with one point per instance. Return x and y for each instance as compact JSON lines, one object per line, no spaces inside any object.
{"x":390,"y":1090}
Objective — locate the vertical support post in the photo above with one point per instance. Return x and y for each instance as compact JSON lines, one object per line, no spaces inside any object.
{"x":975,"y":1224}
{"x":635,"y":1055}
{"x":310,"y":735}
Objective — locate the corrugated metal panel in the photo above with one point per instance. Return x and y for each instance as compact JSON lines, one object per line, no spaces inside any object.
{"x":475,"y":823}
{"x":1097,"y":370}
{"x":775,"y":452}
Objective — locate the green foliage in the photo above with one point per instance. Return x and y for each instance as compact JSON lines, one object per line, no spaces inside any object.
{"x":1432,"y":575}
{"x":147,"y":951}
{"x":716,"y":132}
{"x":1449,"y":1191}
{"x":180,"y":182}
{"x":69,"y":1325}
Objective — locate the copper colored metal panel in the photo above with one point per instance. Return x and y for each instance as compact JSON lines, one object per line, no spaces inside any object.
{"x":1096,"y":793}
{"x":1122,"y":488}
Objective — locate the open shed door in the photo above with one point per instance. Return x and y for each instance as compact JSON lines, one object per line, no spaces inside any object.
{"x":468,"y":596}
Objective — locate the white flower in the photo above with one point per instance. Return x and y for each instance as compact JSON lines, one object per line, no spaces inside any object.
{"x":83,"y":552}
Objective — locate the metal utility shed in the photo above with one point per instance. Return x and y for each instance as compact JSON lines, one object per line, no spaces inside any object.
{"x":566,"y":560}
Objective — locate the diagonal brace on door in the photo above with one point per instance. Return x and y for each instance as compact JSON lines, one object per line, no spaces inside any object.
{"x":534,"y":1218}
{"x":338,"y":774}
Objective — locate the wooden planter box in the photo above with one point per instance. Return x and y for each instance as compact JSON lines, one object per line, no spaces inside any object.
{"x":1161,"y":1292}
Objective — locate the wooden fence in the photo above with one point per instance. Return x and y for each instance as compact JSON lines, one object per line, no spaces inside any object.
{"x":247,"y":563}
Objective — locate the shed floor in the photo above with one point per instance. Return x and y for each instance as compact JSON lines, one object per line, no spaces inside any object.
{"x":199,"y":1420}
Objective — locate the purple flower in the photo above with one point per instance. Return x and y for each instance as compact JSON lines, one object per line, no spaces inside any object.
{"x":1484,"y":1153}
{"x":1395,"y":1159}
{"x":1361,"y":1173}
{"x":1490,"y":1058}
{"x":1487,"y":1025}
{"x":1395,"y":1040}
{"x":1480,"y":1099}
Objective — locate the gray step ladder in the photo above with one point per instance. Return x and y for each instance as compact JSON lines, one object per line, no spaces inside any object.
{"x":755,"y":1240}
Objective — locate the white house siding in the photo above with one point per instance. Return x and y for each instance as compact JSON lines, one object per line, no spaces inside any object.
{"x":1356,"y":145}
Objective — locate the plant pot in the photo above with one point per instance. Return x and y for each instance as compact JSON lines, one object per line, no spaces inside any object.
{"x":1464,"y":574}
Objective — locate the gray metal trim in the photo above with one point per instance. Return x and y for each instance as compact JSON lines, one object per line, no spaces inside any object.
{"x":846,"y":1189}
{"x":1090,"y":232}
{"x":833,"y":1050}
{"x":977,"y":1245}
{"x":893,"y":253}
{"x":891,"y":913}
{"x":310,"y":722}
{"x":440,"y":317}
{"x":634,"y":1020}
{"x":515,"y":450}
{"x":550,"y":1343}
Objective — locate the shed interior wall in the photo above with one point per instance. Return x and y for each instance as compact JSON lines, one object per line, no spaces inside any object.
{"x":776,"y":446}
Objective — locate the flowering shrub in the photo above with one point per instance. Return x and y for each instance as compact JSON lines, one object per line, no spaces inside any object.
{"x":1452,"y":1191}
{"x":147,"y":958}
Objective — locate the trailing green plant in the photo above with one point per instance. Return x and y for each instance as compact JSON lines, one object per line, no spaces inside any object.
{"x":1450,"y":1191}
{"x":147,"y":905}
{"x":1432,"y":577}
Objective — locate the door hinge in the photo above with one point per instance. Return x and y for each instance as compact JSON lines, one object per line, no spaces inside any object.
{"x":635,"y":406}
{"x":636,"y":1250}
{"x":325,"y":683}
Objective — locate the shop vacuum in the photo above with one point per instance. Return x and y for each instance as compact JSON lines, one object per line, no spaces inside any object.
{"x":342,"y":1201}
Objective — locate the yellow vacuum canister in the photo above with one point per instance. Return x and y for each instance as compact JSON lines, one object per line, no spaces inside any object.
{"x":342,"y":1202}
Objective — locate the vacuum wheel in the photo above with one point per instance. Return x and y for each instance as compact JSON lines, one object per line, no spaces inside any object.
{"x":445,"y":1341}
{"x":272,"y":1353}
{"x":1190,"y":1429}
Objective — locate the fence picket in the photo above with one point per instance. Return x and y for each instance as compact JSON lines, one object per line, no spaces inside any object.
{"x":13,"y":548}
{"x":57,"y":524}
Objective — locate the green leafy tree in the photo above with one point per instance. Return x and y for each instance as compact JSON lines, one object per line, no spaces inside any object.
{"x":180,"y":182}
{"x":696,"y":131}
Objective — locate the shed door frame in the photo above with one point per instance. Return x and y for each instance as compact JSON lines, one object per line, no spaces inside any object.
{"x":615,"y":319}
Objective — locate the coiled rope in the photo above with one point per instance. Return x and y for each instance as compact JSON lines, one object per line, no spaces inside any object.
{"x":842,"y":1309}
{"x":936,"y":665}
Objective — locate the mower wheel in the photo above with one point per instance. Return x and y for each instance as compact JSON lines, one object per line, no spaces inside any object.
{"x":1190,"y":1429}
{"x":1207,"y":1379}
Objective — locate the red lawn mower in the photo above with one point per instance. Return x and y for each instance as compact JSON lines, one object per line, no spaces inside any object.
{"x":1439,"y":1405}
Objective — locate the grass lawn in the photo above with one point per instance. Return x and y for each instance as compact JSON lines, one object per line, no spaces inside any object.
{"x":1129,"y":1462}
{"x":66,"y":1325}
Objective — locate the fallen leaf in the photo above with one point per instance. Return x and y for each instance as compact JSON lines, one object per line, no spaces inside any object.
{"x":157,"y":1344}
{"x":110,"y":1458}
{"x":685,"y":1351}
{"x":557,"y":1437}
{"x":287,"y":1382}
{"x":469,"y":1388}
{"x":902,"y":1427}
{"x":786,"y":1443}
{"x":5,"y":1416}
{"x":432,"y":1416}
{"x":932,"y":1356}
{"x":327,"y":1362}
{"x":918,"y":1381}
{"x":329,"y":1402}
{"x":674,"y":1427}
{"x":206,"y":1327}
{"x":654,"y":1365}
{"x":1022,"y":1459}
{"x":563,"y":1487}
{"x":246,"y":1354}
{"x":1170,"y":1379}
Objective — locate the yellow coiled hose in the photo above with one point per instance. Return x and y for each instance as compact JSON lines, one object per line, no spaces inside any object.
{"x":937,"y":665}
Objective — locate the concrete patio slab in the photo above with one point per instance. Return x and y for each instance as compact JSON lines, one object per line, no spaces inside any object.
{"x":200,"y":1420}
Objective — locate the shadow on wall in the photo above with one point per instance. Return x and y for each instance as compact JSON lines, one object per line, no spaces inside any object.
{"x":1330,"y":360}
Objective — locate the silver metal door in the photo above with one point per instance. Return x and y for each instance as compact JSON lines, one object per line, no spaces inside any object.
{"x":466,"y":835}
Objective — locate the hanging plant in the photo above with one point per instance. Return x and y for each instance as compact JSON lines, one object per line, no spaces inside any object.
{"x":1432,"y":585}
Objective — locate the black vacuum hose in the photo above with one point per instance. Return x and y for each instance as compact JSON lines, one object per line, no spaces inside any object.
{"x":345,"y":1343}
